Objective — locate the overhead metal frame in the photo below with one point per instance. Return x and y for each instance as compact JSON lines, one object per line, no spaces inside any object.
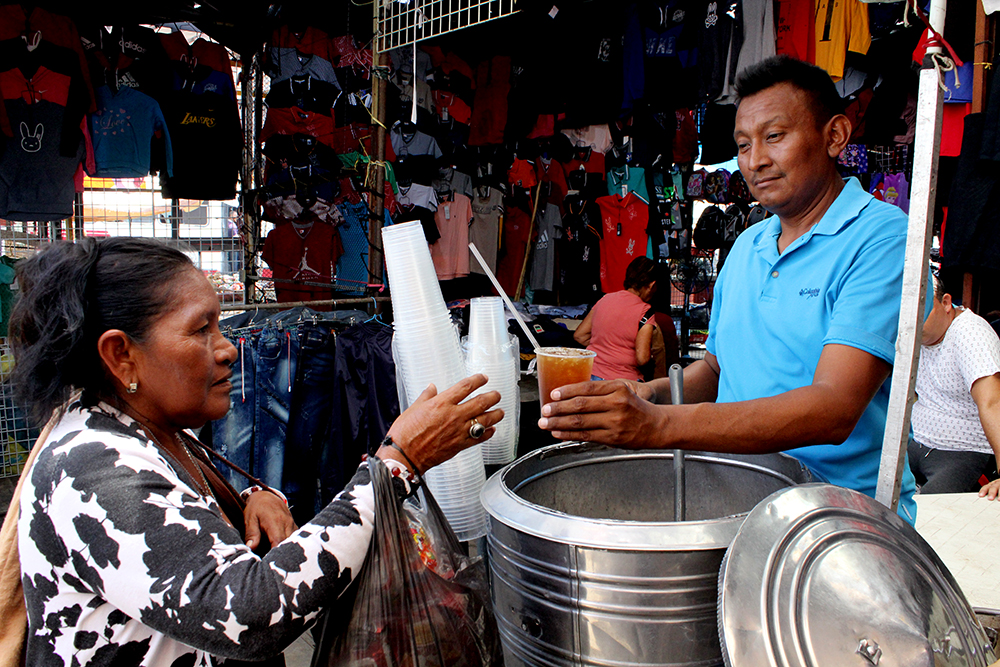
{"x":403,"y":22}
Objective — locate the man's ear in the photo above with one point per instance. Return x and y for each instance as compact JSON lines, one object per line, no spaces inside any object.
{"x":118,"y":353}
{"x":838,"y":134}
{"x":946,"y":301}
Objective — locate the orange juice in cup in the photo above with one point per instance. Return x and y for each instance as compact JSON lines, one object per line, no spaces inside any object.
{"x":559,"y":366}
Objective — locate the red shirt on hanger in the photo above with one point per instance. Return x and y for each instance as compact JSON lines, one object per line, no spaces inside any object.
{"x":624,"y":221}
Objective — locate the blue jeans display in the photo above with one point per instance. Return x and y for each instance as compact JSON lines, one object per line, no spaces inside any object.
{"x":308,"y":426}
{"x":277,"y":356}
{"x":307,"y":402}
{"x":232,"y":436}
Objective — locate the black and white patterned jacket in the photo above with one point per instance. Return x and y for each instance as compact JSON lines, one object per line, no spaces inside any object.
{"x":124,"y":563}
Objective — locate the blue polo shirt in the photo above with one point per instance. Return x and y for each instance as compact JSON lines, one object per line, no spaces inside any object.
{"x":772,"y":315}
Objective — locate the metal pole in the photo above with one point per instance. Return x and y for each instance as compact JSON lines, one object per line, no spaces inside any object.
{"x":926,"y":149}
{"x":676,"y":375}
{"x":377,"y":207}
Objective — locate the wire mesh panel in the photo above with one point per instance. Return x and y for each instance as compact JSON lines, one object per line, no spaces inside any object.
{"x":402,"y":22}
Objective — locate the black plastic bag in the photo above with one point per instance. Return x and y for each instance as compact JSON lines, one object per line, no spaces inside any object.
{"x":426,"y":606}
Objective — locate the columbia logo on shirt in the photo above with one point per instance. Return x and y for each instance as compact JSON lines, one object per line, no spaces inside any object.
{"x":809,"y":292}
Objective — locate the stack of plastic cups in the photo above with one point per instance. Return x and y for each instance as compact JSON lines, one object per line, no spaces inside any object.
{"x":492,"y":351}
{"x":427,"y":350}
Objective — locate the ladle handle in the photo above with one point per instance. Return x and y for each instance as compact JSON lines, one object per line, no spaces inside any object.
{"x":676,"y":375}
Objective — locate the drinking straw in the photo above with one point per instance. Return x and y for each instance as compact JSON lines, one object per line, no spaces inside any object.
{"x":506,"y":299}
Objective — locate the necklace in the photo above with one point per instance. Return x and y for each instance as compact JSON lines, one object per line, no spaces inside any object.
{"x":201,"y":473}
{"x":205,"y":488}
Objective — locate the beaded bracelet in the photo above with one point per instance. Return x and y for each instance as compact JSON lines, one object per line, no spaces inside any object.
{"x":387,"y":442}
{"x":246,"y":493}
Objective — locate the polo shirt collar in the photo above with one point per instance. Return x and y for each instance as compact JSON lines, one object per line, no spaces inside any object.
{"x":845,"y":208}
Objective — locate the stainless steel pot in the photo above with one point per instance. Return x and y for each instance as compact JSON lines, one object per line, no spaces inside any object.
{"x":588,"y":566}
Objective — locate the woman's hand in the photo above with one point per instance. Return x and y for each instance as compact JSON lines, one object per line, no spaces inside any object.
{"x":268,"y":513}
{"x":990,"y":491}
{"x":436,"y":427}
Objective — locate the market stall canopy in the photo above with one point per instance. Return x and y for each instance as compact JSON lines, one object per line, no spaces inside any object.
{"x":241,"y":25}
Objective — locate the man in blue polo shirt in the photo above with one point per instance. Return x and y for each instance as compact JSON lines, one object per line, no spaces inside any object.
{"x":804,"y":318}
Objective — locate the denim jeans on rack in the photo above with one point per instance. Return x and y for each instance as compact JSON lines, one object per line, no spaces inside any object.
{"x":232,"y":436}
{"x":308,"y":425}
{"x":277,"y":354}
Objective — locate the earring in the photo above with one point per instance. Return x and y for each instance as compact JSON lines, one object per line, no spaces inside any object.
{"x":132,"y":387}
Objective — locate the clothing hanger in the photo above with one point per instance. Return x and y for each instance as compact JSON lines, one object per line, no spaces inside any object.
{"x":376,"y":317}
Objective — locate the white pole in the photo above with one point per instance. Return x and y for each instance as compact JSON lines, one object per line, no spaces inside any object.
{"x":926,"y":148}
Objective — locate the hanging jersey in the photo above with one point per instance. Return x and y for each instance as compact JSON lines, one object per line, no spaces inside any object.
{"x":451,"y":253}
{"x":841,"y":26}
{"x":302,"y":253}
{"x":624,"y":220}
{"x":487,"y":207}
{"x":122,"y":130}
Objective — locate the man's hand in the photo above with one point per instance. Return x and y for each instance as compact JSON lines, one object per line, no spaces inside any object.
{"x":269,"y":513}
{"x":615,"y":412}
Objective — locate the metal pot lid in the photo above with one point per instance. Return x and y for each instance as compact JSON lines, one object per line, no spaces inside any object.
{"x":822,"y":576}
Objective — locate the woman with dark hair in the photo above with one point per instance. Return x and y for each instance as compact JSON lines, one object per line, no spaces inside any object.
{"x":619,"y":328}
{"x":133,"y":548}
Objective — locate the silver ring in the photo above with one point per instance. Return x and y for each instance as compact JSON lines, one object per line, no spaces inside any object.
{"x":476,"y":430}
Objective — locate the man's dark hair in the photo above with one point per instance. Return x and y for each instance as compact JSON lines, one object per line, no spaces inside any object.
{"x":810,"y":79}
{"x":640,"y":272}
{"x":71,"y":293}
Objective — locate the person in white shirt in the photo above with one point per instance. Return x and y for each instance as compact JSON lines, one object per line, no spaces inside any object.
{"x":956,"y":419}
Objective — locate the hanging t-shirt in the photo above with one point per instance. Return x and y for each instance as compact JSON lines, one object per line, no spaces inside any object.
{"x":841,"y":26}
{"x":487,"y":208}
{"x":897,"y":191}
{"x":579,"y":252}
{"x":516,"y":231}
{"x":419,"y":195}
{"x":451,"y":253}
{"x":122,"y":130}
{"x":306,"y":253}
{"x":553,"y":178}
{"x":625,"y":238}
{"x":598,"y":137}
{"x":451,"y":180}
{"x":303,"y":91}
{"x":719,"y":41}
{"x":129,"y":56}
{"x":627,"y":179}
{"x":449,"y":105}
{"x":298,"y":121}
{"x":489,"y":107}
{"x":543,"y":259}
{"x":794,"y":29}
{"x":36,"y":179}
{"x":285,"y":63}
{"x":758,"y":32}
{"x":408,"y":141}
{"x":203,"y":119}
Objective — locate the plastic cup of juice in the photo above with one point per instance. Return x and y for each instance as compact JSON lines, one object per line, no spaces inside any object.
{"x":559,"y":366}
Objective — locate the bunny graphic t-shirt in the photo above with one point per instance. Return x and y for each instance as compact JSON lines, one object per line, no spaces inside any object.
{"x":37,"y":167}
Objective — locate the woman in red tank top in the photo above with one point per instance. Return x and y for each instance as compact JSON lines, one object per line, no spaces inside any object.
{"x":619,"y":328}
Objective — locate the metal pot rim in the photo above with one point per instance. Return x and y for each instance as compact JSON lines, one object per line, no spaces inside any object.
{"x":505,"y":506}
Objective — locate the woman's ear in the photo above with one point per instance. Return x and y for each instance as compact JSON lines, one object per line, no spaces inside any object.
{"x":118,"y":353}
